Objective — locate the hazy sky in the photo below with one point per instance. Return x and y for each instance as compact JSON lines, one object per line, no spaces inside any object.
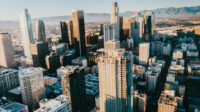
{"x":10,"y":9}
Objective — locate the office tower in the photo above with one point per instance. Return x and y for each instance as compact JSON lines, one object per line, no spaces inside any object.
{"x":60,"y":48}
{"x":121,"y":29}
{"x":101,"y":29}
{"x":26,"y":32}
{"x":91,"y":39}
{"x":149,"y":26}
{"x":32,"y":86}
{"x":73,"y":87}
{"x":39,"y":51}
{"x":79,"y":32}
{"x":67,"y":32}
{"x":114,"y":19}
{"x":167,"y":103}
{"x":139,"y":102}
{"x":115,"y":80}
{"x":40,"y":31}
{"x":58,"y":104}
{"x":127,"y":26}
{"x":52,"y":62}
{"x":100,"y":43}
{"x":151,"y":81}
{"x":92,"y":59}
{"x":137,"y":29}
{"x":6,"y":50}
{"x":8,"y":80}
{"x":109,"y":33}
{"x":66,"y":59}
{"x":144,"y":53}
{"x":156,"y":48}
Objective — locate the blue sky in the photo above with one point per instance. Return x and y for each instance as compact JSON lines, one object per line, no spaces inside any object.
{"x":10,"y":9}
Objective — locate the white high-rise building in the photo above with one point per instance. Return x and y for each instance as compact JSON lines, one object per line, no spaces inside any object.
{"x":115,"y":19}
{"x":6,"y":50}
{"x":32,"y":86}
{"x":144,"y":49}
{"x":26,"y":32}
{"x":115,"y":80}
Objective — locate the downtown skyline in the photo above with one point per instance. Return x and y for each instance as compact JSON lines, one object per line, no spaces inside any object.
{"x":46,"y":8}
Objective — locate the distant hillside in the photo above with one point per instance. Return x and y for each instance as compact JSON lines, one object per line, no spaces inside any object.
{"x":160,"y":13}
{"x":166,"y":13}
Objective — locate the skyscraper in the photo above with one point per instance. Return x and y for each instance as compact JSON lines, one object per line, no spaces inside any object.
{"x":73,"y":86}
{"x":67,"y":32}
{"x":144,"y":52}
{"x":6,"y":50}
{"x":121,"y":31}
{"x":40,"y":31}
{"x":127,"y":26}
{"x":32,"y":86}
{"x":149,"y":26}
{"x":52,"y":62}
{"x":109,"y":32}
{"x":115,"y":19}
{"x":26,"y":32}
{"x":151,"y":81}
{"x":79,"y":32}
{"x":139,"y":102}
{"x":137,"y":29}
{"x":115,"y":72}
{"x":39,"y":51}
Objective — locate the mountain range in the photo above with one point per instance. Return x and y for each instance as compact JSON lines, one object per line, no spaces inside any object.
{"x":161,"y":13}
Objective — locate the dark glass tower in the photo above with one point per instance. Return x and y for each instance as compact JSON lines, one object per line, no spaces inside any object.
{"x":79,"y":32}
{"x":67,"y":32}
{"x":73,"y":86}
{"x":148,"y":28}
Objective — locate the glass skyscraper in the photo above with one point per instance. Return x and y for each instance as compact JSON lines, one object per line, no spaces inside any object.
{"x":26,"y":32}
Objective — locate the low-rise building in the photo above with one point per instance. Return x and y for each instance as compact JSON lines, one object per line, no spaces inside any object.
{"x":80,"y":61}
{"x":50,"y":80}
{"x":167,"y":103}
{"x":59,"y":104}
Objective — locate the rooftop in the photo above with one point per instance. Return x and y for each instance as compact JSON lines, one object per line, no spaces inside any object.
{"x":29,"y":70}
{"x":15,"y":107}
{"x":5,"y":71}
{"x":53,"y":105}
{"x":167,"y":99}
